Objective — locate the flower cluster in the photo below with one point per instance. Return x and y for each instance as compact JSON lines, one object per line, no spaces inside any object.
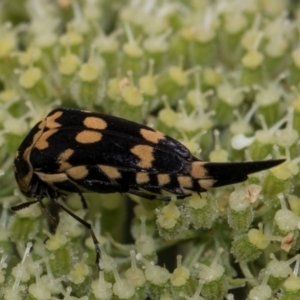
{"x":220,"y":76}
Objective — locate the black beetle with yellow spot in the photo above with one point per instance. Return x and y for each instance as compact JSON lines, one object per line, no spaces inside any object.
{"x":75,"y":151}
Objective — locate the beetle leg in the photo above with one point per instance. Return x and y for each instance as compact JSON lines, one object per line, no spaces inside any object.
{"x":23,"y":205}
{"x":83,"y":201}
{"x":85,"y":224}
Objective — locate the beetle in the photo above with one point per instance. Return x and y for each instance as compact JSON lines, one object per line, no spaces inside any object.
{"x":76,"y":151}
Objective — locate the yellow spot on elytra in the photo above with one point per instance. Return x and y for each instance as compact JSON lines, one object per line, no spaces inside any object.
{"x":152,"y":136}
{"x":145,"y":154}
{"x":110,"y":172}
{"x":206,"y":183}
{"x":185,"y":181}
{"x":198,"y":170}
{"x":35,"y":138}
{"x":142,"y":178}
{"x":94,"y":123}
{"x":88,"y":137}
{"x":163,"y":179}
{"x":62,"y":160}
{"x":24,"y":182}
{"x":42,"y":142}
{"x":42,"y":124}
{"x":78,"y":172}
{"x":52,"y":178}
{"x":51,"y":120}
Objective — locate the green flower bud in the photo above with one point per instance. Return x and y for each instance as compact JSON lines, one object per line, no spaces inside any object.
{"x":284,"y":220}
{"x":101,"y":289}
{"x":80,"y":277}
{"x":291,"y":288}
{"x":145,"y":243}
{"x":90,"y":76}
{"x":228,"y":98}
{"x":252,"y":68}
{"x":181,"y":280}
{"x":260,"y":292}
{"x":277,"y":180}
{"x":171,"y":221}
{"x":133,"y":55}
{"x":278,"y":271}
{"x":240,"y":212}
{"x":31,"y":80}
{"x":63,"y":253}
{"x":213,"y":276}
{"x":157,"y":277}
{"x":295,"y":67}
{"x":202,"y":210}
{"x":296,"y":106}
{"x":122,"y":288}
{"x":71,"y":39}
{"x":248,"y":247}
{"x":269,"y":99}
{"x":25,"y":224}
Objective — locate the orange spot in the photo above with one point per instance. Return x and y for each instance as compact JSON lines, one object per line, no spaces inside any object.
{"x":152,"y":136}
{"x":50,"y":120}
{"x":88,"y":137}
{"x":42,"y":142}
{"x":78,"y":172}
{"x":145,"y":154}
{"x":110,"y":172}
{"x":185,"y":181}
{"x":94,"y":123}
{"x":206,"y":183}
{"x":51,"y":178}
{"x":62,"y":160}
{"x":24,"y":182}
{"x":198,"y":170}
{"x":163,"y":179}
{"x":142,"y":178}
